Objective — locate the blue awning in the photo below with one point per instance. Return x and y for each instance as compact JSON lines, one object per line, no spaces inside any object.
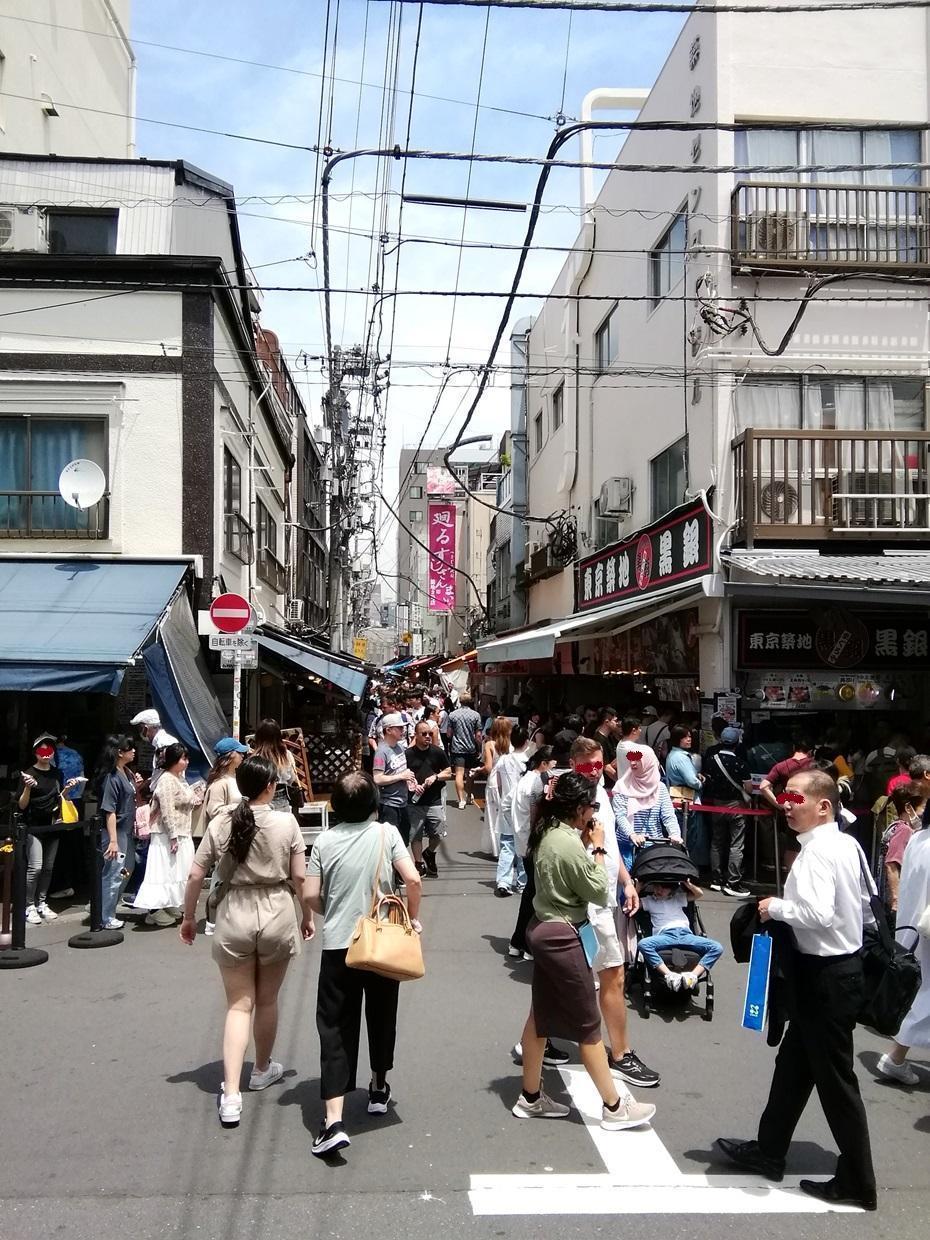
{"x":350,"y":680}
{"x":75,"y":625}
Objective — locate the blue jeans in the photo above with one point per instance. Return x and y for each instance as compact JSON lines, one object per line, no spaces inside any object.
{"x":507,"y":862}
{"x":679,"y":936}
{"x":112,"y":878}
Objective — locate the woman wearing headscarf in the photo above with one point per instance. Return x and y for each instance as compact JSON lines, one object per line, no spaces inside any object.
{"x":642,"y":806}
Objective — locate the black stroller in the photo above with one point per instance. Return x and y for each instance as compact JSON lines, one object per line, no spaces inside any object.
{"x":668,"y":864}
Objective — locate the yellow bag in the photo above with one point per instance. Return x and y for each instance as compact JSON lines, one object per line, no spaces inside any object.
{"x":69,"y":811}
{"x":389,"y":947}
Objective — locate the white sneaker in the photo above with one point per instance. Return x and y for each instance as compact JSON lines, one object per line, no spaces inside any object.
{"x":901,"y":1072}
{"x":161,"y":917}
{"x":46,"y":913}
{"x":114,"y":924}
{"x":461,"y":804}
{"x":542,"y":1108}
{"x":261,"y":1080}
{"x":209,"y":927}
{"x":230,"y":1108}
{"x":32,"y":915}
{"x":629,"y":1114}
{"x":673,"y":980}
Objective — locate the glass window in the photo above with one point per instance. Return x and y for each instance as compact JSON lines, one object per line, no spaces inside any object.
{"x":557,"y":414}
{"x":836,"y":402}
{"x":538,"y":431}
{"x":232,"y":483}
{"x":667,"y":260}
{"x":82,"y":232}
{"x":606,"y":342}
{"x":33,"y":452}
{"x":267,"y":529}
{"x":416,"y":492}
{"x":416,"y":515}
{"x":669,"y":471}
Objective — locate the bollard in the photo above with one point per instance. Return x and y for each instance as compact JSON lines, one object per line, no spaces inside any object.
{"x":96,"y":936}
{"x":17,"y":955}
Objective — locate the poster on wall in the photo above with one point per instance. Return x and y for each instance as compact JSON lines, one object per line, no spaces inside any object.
{"x":441,"y":572}
{"x":439,"y":481}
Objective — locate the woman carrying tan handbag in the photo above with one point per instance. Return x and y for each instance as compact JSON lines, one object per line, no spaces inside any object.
{"x":348,"y":860}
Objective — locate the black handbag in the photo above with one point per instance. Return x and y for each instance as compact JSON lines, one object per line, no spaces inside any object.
{"x":890,"y":973}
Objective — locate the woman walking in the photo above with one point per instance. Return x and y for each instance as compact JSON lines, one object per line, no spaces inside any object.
{"x":642,"y":806}
{"x":260,"y":854}
{"x":171,"y":849}
{"x":116,"y":795}
{"x":39,"y":799}
{"x":564,"y":1003}
{"x":269,"y":743}
{"x":222,"y":789}
{"x":495,"y":747}
{"x":349,"y":860}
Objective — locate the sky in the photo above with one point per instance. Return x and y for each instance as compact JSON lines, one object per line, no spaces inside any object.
{"x":524,"y":68}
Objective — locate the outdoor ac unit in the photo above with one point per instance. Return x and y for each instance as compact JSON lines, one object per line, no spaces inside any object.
{"x":295,"y":610}
{"x":22,"y":229}
{"x":776,"y":234}
{"x":616,"y":497}
{"x":779,"y":501}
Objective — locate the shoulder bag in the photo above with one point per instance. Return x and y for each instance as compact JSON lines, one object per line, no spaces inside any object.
{"x":891,"y":973}
{"x":225,"y":868}
{"x":386,"y":945}
{"x":744,"y":797}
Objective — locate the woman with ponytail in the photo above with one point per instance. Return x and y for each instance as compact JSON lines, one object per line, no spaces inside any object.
{"x":259,"y":855}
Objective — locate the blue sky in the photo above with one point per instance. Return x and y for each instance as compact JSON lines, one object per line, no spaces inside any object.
{"x":526,"y":56}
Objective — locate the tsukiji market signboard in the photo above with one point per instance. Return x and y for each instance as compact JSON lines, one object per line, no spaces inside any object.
{"x":675,"y":549}
{"x":834,"y":637}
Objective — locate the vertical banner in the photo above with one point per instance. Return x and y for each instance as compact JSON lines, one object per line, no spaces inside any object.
{"x":441,"y":572}
{"x":755,"y":1007}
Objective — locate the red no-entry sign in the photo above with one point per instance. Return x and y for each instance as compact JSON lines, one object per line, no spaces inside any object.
{"x":230,"y":613}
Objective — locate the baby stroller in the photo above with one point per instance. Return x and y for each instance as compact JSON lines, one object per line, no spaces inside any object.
{"x":668,"y":864}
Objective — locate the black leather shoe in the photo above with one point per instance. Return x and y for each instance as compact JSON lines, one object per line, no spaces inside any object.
{"x":748,"y":1156}
{"x":829,"y":1190}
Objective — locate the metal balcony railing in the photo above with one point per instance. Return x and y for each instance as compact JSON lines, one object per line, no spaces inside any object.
{"x":801,"y":224}
{"x":44,"y":514}
{"x":831,"y":484}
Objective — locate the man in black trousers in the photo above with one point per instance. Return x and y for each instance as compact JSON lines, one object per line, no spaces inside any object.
{"x":825,"y":903}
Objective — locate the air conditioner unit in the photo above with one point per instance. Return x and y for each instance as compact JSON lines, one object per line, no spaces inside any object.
{"x":616,"y":497}
{"x":778,"y":501}
{"x":295,"y":610}
{"x":22,"y":229}
{"x":776,"y":234}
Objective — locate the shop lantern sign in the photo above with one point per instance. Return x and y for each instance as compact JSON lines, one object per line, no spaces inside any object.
{"x":675,"y":549}
{"x":441,"y":572}
{"x":834,"y":637}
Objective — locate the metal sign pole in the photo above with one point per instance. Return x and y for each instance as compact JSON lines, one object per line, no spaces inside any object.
{"x":237,"y":692}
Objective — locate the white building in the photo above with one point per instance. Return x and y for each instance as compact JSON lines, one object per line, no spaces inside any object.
{"x":645,"y":392}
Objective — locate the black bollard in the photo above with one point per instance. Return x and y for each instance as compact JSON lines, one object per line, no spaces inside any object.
{"x":96,"y":936}
{"x":18,"y":955}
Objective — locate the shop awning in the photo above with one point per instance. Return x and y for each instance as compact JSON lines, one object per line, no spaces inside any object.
{"x":352,"y":680}
{"x":75,"y":625}
{"x":882,"y":571}
{"x":540,"y":643}
{"x":397,"y":666}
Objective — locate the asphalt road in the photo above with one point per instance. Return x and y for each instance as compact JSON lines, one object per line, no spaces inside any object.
{"x":111,"y":1066}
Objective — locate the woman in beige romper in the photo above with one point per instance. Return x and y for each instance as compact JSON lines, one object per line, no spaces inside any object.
{"x":259,"y":853}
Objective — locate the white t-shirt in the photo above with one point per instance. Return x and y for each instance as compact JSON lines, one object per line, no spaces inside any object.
{"x":527,"y":792}
{"x":507,"y":772}
{"x":667,"y":914}
{"x":605,"y":816}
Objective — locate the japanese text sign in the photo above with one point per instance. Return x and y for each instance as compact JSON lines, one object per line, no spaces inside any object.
{"x":834,"y":637}
{"x":441,"y":572}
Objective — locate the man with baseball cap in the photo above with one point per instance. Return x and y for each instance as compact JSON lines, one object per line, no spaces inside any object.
{"x":149,"y":724}
{"x":391,"y":775}
{"x":727,"y":784}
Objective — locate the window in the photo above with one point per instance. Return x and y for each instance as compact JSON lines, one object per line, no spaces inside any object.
{"x":606,"y":342}
{"x":237,"y":533}
{"x":667,"y":260}
{"x":267,"y":529}
{"x":415,"y":515}
{"x":82,"y":232}
{"x":669,"y":476}
{"x":844,"y":402}
{"x":33,"y":452}
{"x":538,"y":431}
{"x":557,"y":412}
{"x":416,"y":492}
{"x":762,"y":147}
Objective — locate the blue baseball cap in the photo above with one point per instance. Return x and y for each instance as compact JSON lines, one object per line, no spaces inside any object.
{"x":227,"y":745}
{"x":731,"y":736}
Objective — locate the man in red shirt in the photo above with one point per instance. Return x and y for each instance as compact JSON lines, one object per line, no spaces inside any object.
{"x":802,"y":759}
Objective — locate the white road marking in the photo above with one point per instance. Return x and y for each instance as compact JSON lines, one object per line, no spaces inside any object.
{"x":641,"y":1178}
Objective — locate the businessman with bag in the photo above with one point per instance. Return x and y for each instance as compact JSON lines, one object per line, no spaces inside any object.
{"x":825,"y":904}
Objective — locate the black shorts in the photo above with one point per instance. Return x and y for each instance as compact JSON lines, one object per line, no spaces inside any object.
{"x":398,"y":817}
{"x":467,"y":760}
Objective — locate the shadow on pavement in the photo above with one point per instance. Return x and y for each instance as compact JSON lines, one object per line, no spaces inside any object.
{"x":804,"y":1158}
{"x":306,"y":1095}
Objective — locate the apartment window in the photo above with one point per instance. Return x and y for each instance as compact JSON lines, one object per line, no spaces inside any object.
{"x":667,"y":260}
{"x":538,"y":431}
{"x":267,"y":529}
{"x":839,"y":402}
{"x":669,"y":477}
{"x":416,"y":492}
{"x":33,"y":452}
{"x":415,"y":515}
{"x":848,"y":152}
{"x":557,"y":410}
{"x":606,"y":342}
{"x":82,"y":232}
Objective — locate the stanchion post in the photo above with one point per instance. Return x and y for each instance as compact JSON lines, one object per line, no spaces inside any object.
{"x":96,"y":936}
{"x":6,"y":891}
{"x":18,"y":956}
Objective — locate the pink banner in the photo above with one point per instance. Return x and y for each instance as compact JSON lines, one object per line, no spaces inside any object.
{"x":442,"y":557}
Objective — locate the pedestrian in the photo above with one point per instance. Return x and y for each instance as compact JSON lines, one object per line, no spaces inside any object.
{"x":566,"y":736}
{"x":495,"y":747}
{"x":657,"y":731}
{"x":607,"y":734}
{"x":261,"y":852}
{"x":775,"y":782}
{"x":509,"y":770}
{"x":667,"y":906}
{"x":392,"y":777}
{"x":116,"y":797}
{"x":564,"y":1002}
{"x":222,"y":787}
{"x":430,"y":717}
{"x":445,"y":727}
{"x":355,"y":856}
{"x":150,"y":729}
{"x":268,"y":742}
{"x":824,"y":904}
{"x":525,"y":806}
{"x":642,"y":807}
{"x":38,"y":796}
{"x":904,"y":757}
{"x":684,"y":783}
{"x":727,"y":785}
{"x":171,"y":849}
{"x":909,"y":801}
{"x":426,"y":808}
{"x":465,"y":746}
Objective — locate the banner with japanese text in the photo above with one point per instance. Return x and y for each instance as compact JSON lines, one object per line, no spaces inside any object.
{"x":441,"y":572}
{"x":834,"y":637}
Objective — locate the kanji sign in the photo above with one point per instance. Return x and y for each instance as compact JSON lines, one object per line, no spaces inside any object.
{"x":834,"y":637}
{"x":677,"y":548}
{"x":441,"y":571}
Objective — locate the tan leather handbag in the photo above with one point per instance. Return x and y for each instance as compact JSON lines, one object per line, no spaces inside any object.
{"x":386,"y":945}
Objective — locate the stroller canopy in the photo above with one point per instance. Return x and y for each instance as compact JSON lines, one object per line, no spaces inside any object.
{"x":663,"y":863}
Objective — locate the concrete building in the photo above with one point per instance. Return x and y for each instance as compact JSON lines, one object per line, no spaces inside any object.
{"x":68,"y":78}
{"x":705,"y":442}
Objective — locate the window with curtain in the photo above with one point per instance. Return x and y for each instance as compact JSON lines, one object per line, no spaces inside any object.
{"x":667,"y":260}
{"x":669,"y":477}
{"x":839,"y":402}
{"x":33,"y":452}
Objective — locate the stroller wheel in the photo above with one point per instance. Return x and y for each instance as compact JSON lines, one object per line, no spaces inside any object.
{"x":708,"y":1013}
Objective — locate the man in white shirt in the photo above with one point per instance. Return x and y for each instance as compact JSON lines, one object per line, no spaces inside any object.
{"x":826,"y":902}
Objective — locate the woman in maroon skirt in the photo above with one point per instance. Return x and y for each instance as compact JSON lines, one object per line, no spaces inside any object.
{"x":567,"y":846}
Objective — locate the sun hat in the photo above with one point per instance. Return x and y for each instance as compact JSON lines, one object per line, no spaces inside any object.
{"x":392,"y":721}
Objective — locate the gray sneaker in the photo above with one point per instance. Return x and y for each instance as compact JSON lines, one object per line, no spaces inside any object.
{"x":542,"y":1108}
{"x":629,"y":1114}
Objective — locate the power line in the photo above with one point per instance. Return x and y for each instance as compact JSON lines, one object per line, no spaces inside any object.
{"x":647,"y":6}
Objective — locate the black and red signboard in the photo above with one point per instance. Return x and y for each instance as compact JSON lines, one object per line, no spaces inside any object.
{"x":834,"y":637}
{"x":677,"y":548}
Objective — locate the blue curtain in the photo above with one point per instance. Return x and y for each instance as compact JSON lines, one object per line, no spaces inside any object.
{"x":12,"y":474}
{"x":53,"y":445}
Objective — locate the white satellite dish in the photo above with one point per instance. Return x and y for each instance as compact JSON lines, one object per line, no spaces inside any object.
{"x":82,"y":483}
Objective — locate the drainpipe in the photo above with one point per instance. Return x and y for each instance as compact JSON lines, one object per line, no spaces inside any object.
{"x":131,"y":88}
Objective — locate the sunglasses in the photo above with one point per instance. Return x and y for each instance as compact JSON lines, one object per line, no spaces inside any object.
{"x":588,"y":768}
{"x":634,"y":755}
{"x":790,"y":798}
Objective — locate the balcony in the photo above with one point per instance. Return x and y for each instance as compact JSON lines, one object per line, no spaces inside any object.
{"x":799,"y":225}
{"x":44,"y":514}
{"x":818,"y":485}
{"x":272,"y":571}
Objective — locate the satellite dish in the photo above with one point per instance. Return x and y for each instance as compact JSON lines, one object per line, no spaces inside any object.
{"x":82,"y":483}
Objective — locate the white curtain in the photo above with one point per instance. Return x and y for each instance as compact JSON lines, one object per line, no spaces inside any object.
{"x":768,"y":404}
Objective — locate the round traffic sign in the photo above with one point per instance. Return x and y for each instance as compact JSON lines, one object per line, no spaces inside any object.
{"x":230,"y":613}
